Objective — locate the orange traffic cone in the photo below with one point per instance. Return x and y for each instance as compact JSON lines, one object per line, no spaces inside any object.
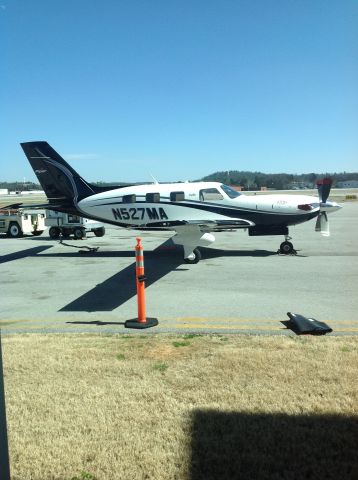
{"x":142,"y":321}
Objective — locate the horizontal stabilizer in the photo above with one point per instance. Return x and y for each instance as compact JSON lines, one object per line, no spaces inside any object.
{"x":30,"y":206}
{"x":301,"y":325}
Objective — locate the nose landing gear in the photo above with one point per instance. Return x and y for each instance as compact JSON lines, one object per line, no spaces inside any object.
{"x":286,"y":247}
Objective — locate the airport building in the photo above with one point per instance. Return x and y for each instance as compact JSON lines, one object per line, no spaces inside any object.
{"x":347,"y":184}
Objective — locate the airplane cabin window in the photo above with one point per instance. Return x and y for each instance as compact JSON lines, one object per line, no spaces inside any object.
{"x":152,"y":197}
{"x":177,"y":196}
{"x":230,"y":191}
{"x":128,"y":198}
{"x":208,"y":194}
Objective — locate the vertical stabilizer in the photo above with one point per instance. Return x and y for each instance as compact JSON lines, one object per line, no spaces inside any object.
{"x":61,"y":183}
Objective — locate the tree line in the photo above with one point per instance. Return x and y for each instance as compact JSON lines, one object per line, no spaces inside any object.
{"x":20,"y":186}
{"x":278,"y":181}
{"x":245,"y":179}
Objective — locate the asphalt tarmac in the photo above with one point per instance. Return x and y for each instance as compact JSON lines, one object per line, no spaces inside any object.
{"x":241,"y":285}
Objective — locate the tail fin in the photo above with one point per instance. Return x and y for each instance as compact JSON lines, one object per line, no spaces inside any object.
{"x":61,"y":183}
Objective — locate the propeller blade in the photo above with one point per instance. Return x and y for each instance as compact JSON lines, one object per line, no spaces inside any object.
{"x":318,"y":223}
{"x":324,"y":187}
{"x":322,"y":224}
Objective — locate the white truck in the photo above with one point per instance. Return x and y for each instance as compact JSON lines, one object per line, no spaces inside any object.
{"x":18,"y":222}
{"x":67,"y":224}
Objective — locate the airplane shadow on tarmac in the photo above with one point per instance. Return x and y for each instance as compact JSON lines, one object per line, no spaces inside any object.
{"x":29,"y":252}
{"x":261,"y":446}
{"x":121,"y":287}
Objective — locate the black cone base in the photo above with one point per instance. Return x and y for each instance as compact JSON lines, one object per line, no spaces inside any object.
{"x":133,"y":323}
{"x":303,"y":325}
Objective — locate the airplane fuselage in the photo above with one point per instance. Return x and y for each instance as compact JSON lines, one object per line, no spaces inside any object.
{"x":164,"y":205}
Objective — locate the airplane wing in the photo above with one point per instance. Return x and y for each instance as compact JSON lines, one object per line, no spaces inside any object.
{"x":221,"y":225}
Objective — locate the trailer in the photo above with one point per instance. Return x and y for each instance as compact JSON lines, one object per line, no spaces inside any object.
{"x":67,"y":224}
{"x":18,"y":222}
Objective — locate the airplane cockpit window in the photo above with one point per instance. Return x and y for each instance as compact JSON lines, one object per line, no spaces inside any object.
{"x":128,"y":198}
{"x":208,"y":194}
{"x":230,"y":191}
{"x":152,"y":197}
{"x":177,"y":196}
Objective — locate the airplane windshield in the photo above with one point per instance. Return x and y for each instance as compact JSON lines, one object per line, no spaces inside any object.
{"x":230,"y":191}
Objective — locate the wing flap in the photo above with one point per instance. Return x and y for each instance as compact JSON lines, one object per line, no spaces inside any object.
{"x":221,"y":225}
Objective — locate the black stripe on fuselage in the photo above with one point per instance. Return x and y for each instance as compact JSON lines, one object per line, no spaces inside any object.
{"x":259,"y":217}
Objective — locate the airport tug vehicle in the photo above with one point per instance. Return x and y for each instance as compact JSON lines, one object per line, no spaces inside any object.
{"x":18,"y":222}
{"x":67,"y":224}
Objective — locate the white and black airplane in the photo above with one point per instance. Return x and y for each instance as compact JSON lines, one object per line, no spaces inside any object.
{"x":194,"y":210}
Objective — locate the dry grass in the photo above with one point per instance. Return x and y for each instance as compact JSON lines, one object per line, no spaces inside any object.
{"x":144,"y":407}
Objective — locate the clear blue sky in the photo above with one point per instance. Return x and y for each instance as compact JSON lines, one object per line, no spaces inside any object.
{"x":180,"y":88}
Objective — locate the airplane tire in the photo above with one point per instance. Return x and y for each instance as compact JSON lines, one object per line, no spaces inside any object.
{"x":54,"y":232}
{"x":195,"y":257}
{"x":286,"y":248}
{"x":14,"y":230}
{"x":99,"y":232}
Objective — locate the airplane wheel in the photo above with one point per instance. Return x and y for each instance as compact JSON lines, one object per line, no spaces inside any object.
{"x":194,"y":257}
{"x":286,"y":248}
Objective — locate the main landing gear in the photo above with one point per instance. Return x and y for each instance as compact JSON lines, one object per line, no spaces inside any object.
{"x":286,"y":247}
{"x":194,"y":257}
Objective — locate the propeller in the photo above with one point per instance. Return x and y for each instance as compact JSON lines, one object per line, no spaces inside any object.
{"x":322,"y":225}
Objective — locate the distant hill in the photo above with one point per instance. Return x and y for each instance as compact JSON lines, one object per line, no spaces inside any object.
{"x":278,"y":181}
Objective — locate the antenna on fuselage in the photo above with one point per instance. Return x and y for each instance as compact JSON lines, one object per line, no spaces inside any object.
{"x":155,"y":181}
